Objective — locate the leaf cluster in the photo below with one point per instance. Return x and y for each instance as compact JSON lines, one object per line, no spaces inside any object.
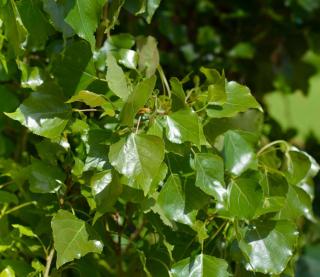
{"x":109,"y":168}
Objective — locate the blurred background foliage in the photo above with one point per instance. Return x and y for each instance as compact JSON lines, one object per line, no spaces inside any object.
{"x":271,"y":46}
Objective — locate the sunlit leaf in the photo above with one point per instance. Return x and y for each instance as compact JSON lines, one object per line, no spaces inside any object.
{"x":71,"y":238}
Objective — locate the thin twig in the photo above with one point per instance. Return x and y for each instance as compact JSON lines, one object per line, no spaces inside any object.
{"x":48,"y":264}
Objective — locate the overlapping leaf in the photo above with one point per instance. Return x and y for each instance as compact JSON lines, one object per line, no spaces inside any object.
{"x":71,"y":238}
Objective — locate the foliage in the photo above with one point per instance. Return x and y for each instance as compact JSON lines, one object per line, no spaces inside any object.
{"x":109,"y":169}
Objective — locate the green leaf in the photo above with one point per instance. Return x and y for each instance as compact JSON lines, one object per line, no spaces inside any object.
{"x":23,"y":230}
{"x":97,"y":155}
{"x":30,"y":76}
{"x":177,"y":88}
{"x":136,"y":100}
{"x":171,"y":203}
{"x":36,"y":23}
{"x":152,"y":6}
{"x":123,"y":40}
{"x":242,"y":50}
{"x":7,"y":272}
{"x":138,"y":156}
{"x":216,"y":86}
{"x":43,"y":112}
{"x":113,"y":13}
{"x":238,"y":151}
{"x":200,"y":266}
{"x":127,"y":58}
{"x":239,"y":99}
{"x":9,"y":101}
{"x":148,"y":55}
{"x":298,"y":166}
{"x":250,"y":121}
{"x":275,"y":189}
{"x":89,"y":98}
{"x":57,"y":11}
{"x":297,"y":110}
{"x":244,"y":195}
{"x":106,"y":188}
{"x":84,"y":17}
{"x":184,"y":125}
{"x":269,"y":245}
{"x":7,"y":197}
{"x":298,"y":203}
{"x":45,"y":178}
{"x":210,"y":175}
{"x":71,"y":238}
{"x":15,"y":31}
{"x":116,"y":78}
{"x":74,"y":69}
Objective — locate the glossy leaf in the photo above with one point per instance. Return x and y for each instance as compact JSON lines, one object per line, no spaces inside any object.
{"x":238,"y":151}
{"x":239,"y":99}
{"x":71,"y":238}
{"x":43,"y":112}
{"x":210,"y":175}
{"x":184,"y":125}
{"x":200,"y":266}
{"x":269,"y":246}
{"x":138,"y":155}
{"x":171,"y":202}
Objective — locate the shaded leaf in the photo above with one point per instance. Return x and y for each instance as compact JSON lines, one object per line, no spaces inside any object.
{"x":57,"y":11}
{"x":216,"y":86}
{"x":171,"y":203}
{"x":84,"y":17}
{"x":8,"y":197}
{"x":116,"y":78}
{"x":45,"y":178}
{"x":210,"y":175}
{"x":15,"y":31}
{"x":148,"y":55}
{"x":136,"y":100}
{"x":74,"y":69}
{"x":244,"y":195}
{"x":106,"y":188}
{"x":36,"y":23}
